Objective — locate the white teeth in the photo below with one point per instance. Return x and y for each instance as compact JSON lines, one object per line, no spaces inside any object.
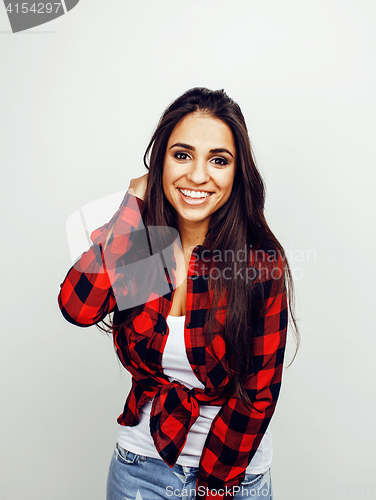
{"x":194,"y":194}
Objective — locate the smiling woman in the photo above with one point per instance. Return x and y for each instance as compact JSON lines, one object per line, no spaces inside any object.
{"x":197,"y":181}
{"x":206,"y":355}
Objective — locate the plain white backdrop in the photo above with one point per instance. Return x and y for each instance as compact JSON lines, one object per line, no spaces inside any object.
{"x":80,"y":97}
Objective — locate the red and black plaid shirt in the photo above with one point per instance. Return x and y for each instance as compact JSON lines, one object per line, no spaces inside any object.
{"x":91,"y":290}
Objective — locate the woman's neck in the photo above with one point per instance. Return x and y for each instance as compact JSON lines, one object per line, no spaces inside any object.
{"x":192,"y":234}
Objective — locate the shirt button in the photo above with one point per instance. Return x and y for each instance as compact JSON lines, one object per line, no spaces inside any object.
{"x":194,"y":277}
{"x":188,"y":325}
{"x":195,"y":370}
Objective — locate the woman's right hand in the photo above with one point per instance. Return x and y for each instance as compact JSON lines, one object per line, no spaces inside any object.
{"x":137,"y":186}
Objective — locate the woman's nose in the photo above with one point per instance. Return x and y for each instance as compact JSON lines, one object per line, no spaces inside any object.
{"x":198,"y":173}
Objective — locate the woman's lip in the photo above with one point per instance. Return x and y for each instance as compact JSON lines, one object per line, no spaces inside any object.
{"x":194,"y":201}
{"x":195,"y":189}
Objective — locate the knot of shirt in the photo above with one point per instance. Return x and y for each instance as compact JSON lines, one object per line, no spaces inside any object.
{"x":174,"y":411}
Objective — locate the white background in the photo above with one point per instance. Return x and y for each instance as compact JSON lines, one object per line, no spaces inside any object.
{"x":80,"y":98}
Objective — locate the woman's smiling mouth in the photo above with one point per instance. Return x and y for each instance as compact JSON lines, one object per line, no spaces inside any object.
{"x":193,"y":197}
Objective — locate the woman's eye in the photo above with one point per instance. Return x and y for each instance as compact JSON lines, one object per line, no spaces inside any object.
{"x":220,"y":161}
{"x":181,"y":156}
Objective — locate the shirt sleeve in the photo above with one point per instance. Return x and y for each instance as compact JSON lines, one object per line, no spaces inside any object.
{"x":86,"y":294}
{"x":236,"y":432}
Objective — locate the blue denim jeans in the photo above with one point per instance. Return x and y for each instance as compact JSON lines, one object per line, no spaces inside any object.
{"x":135,"y":477}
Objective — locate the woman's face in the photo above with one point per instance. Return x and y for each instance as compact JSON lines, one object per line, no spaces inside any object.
{"x":199,"y":167}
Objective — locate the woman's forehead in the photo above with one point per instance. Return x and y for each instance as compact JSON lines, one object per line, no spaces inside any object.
{"x":202,"y":129}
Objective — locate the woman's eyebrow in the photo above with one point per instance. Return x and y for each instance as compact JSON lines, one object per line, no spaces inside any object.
{"x":191,"y":148}
{"x":221,"y":150}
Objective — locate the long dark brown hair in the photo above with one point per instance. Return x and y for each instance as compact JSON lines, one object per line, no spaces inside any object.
{"x":238,"y":224}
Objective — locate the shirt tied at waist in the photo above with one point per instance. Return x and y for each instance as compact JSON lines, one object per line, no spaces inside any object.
{"x":174,"y":410}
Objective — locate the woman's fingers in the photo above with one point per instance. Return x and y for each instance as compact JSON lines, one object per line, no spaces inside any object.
{"x":137,"y":186}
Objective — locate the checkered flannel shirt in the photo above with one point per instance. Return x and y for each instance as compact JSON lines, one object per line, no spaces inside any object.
{"x":90,"y":291}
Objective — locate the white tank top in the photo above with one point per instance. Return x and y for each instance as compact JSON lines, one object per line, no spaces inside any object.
{"x":176,"y":366}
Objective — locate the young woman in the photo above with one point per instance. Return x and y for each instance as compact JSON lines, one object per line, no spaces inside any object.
{"x":196,"y":282}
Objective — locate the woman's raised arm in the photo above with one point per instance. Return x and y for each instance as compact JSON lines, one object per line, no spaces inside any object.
{"x":86,"y":294}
